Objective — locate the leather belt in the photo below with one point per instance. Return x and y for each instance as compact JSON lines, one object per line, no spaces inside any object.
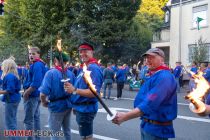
{"x":157,"y":122}
{"x":61,"y":98}
{"x":84,"y":103}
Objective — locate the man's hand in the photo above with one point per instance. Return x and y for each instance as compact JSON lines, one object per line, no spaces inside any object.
{"x":69,"y":88}
{"x":120,"y":117}
{"x":203,"y":114}
{"x":43,"y":99}
{"x":45,"y":104}
{"x":26,"y":95}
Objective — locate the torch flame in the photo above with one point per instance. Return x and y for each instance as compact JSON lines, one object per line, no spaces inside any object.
{"x":77,"y":64}
{"x":99,"y":61}
{"x":88,"y":78}
{"x":201,"y":88}
{"x":196,"y":96}
{"x":59,"y":45}
{"x":29,"y":46}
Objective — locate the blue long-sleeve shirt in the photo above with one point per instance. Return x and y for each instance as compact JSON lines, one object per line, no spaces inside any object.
{"x":35,"y":76}
{"x":12,"y":85}
{"x":121,"y":75}
{"x":143,"y":72}
{"x":97,"y":78}
{"x":206,"y":74}
{"x":177,"y":71}
{"x":53,"y":88}
{"x":157,"y":99}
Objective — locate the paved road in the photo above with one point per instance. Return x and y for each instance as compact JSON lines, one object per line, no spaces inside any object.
{"x":188,"y":126}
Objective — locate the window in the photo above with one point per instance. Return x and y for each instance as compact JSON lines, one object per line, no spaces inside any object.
{"x":197,"y":53}
{"x":200,"y":12}
{"x":167,"y":16}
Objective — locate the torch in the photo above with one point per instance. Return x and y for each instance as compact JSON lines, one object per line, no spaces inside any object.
{"x":29,"y":46}
{"x":137,"y":66}
{"x":196,"y":96}
{"x":111,"y":114}
{"x":65,"y":79}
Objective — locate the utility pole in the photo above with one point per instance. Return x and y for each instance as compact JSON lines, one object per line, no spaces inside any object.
{"x":180,"y":32}
{"x":1,"y":7}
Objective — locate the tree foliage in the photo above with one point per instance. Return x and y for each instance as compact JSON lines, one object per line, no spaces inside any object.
{"x":36,"y":22}
{"x":151,"y":14}
{"x":40,"y":22}
{"x":110,"y":25}
{"x":199,"y":51}
{"x":106,"y":24}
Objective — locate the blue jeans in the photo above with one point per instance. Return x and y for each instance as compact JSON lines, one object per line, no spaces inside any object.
{"x":58,"y":120}
{"x":178,"y":85}
{"x":109,"y":85}
{"x":32,"y":115}
{"x":11,"y":117}
{"x":85,"y":123}
{"x":147,"y":136}
{"x":120,"y":86}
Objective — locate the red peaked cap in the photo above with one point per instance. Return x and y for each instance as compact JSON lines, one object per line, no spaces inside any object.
{"x":85,"y":46}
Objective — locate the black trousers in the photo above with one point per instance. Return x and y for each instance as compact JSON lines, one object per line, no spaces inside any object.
{"x":120,"y":86}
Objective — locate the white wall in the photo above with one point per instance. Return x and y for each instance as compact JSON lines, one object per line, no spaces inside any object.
{"x":189,"y":35}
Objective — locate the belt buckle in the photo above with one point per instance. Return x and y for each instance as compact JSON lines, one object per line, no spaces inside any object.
{"x":151,"y":121}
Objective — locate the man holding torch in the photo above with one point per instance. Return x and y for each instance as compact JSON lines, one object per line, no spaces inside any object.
{"x":156,"y":102}
{"x":59,"y":101}
{"x":84,"y":102}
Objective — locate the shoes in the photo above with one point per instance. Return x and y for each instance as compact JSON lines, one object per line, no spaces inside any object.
{"x":115,"y":99}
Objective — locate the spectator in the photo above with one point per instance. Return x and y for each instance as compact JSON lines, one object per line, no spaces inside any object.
{"x":108,"y":75}
{"x":193,"y":69}
{"x":177,"y":73}
{"x":120,"y":79}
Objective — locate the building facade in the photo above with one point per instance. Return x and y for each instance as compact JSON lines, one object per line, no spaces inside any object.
{"x":180,"y":34}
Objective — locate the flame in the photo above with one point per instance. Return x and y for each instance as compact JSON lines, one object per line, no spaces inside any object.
{"x":99,"y":61}
{"x":88,"y":78}
{"x":201,"y":88}
{"x":59,"y":45}
{"x":77,"y":64}
{"x":29,"y":46}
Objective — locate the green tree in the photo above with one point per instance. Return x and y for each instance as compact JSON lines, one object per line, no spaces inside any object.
{"x":107,"y":24}
{"x":148,"y":19}
{"x":151,"y":14}
{"x":35,"y":22}
{"x":11,"y":31}
{"x":199,"y":51}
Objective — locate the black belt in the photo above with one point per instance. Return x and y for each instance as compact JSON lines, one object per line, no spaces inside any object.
{"x":57,"y":99}
{"x":85,"y":103}
{"x":157,"y":122}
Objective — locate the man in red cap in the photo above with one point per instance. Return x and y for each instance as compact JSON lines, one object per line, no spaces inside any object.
{"x":84,"y":103}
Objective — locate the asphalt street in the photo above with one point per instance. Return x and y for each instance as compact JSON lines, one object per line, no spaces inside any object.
{"x":188,"y":126}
